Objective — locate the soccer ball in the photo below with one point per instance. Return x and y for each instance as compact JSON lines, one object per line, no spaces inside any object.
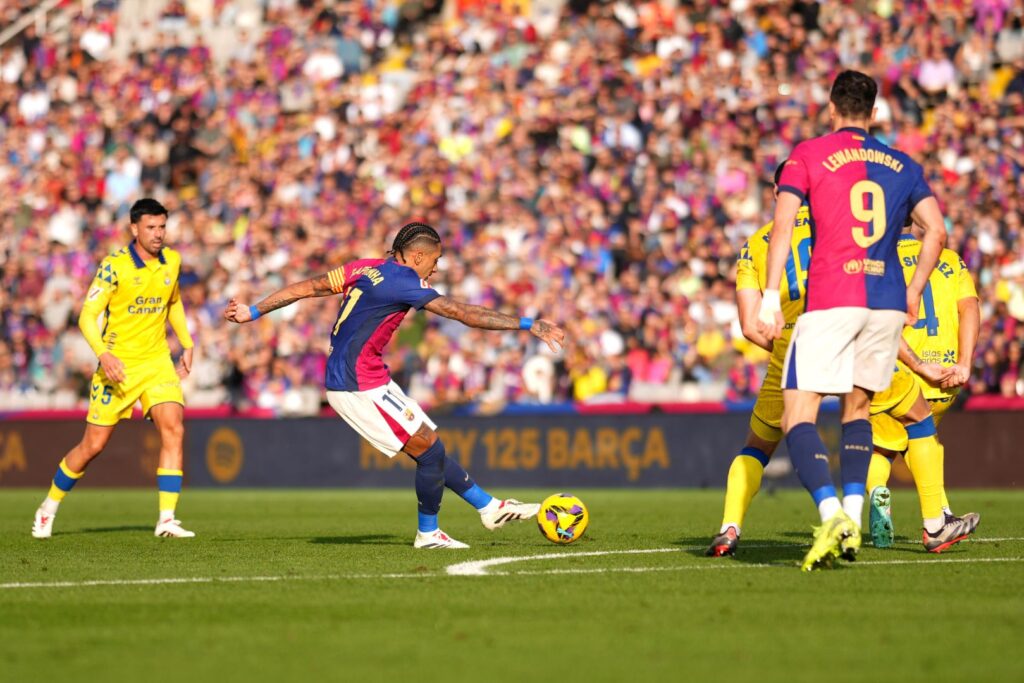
{"x":562,"y":518}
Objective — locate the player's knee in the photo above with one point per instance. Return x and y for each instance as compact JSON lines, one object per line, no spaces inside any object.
{"x":424,"y":438}
{"x":797,"y":416}
{"x":788,"y":422}
{"x":763,"y":445}
{"x":885,"y":453}
{"x":173,"y":432}
{"x":856,"y":405}
{"x":919,"y":411}
{"x":92,"y":445}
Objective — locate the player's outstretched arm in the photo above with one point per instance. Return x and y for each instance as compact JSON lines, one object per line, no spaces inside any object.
{"x":749,"y":301}
{"x":318,"y":286}
{"x":489,"y":319}
{"x":928,"y":215}
{"x":770,"y":321}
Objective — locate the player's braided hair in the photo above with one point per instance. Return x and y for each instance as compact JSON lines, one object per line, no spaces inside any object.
{"x":412,"y":233}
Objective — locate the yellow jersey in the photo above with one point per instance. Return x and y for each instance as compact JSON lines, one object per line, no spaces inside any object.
{"x":136,"y":298}
{"x":752,"y":267}
{"x":935,"y":338}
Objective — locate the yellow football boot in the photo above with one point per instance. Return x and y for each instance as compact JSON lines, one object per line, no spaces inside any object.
{"x":827,"y":541}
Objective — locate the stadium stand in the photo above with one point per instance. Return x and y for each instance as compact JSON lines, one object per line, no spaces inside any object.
{"x":597,"y":163}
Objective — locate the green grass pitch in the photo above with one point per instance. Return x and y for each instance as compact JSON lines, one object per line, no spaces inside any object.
{"x":324,"y":585}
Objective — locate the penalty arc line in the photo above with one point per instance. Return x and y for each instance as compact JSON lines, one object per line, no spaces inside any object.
{"x":481,"y":567}
{"x":759,"y":565}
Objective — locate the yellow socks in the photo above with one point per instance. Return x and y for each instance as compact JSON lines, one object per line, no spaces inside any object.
{"x":63,"y":481}
{"x":878,"y":471}
{"x":169,"y":484}
{"x":744,"y":482}
{"x":924,"y":458}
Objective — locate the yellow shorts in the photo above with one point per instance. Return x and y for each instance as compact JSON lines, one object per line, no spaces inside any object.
{"x":151,"y":382}
{"x":766,"y":419}
{"x":889,"y":433}
{"x":900,"y":397}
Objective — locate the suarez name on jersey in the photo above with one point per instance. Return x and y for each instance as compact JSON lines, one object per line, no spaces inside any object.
{"x":935,"y":337}
{"x":860,"y":193}
{"x":378,"y":294}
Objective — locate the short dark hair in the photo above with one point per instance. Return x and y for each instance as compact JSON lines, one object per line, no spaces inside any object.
{"x":854,"y":94}
{"x":411,"y":234}
{"x":146,"y":207}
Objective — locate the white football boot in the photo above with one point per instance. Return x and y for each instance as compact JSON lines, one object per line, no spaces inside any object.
{"x":509,"y":510}
{"x":43,"y":526}
{"x":171,"y":528}
{"x":436,"y":539}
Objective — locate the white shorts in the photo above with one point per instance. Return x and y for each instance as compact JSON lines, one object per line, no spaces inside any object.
{"x":836,"y":349}
{"x":384,"y":416}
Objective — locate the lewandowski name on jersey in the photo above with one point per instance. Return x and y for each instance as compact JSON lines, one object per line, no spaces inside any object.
{"x":860,"y":193}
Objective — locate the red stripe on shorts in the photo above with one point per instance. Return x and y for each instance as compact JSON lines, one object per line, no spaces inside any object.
{"x":396,"y":427}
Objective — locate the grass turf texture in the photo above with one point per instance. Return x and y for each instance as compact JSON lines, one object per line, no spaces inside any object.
{"x":660,"y":616}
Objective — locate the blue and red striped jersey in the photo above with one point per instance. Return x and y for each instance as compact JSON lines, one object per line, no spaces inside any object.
{"x":378,"y":294}
{"x":860,"y":193}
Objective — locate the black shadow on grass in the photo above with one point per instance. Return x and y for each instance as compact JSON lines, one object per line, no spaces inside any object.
{"x":753,"y":551}
{"x":107,"y":529}
{"x":365,"y":539}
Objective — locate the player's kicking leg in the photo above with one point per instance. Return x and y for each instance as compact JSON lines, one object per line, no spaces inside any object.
{"x":744,"y":482}
{"x":69,"y":471}
{"x":169,"y":419}
{"x":434,"y":466}
{"x":394,"y":423}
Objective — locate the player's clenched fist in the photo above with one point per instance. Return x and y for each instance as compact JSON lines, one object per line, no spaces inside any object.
{"x":237,"y":313}
{"x":769,"y":317}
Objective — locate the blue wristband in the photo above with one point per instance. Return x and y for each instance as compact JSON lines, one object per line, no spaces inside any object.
{"x":525,"y":323}
{"x":254,"y":312}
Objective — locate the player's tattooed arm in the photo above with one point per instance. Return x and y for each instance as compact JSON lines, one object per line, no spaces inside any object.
{"x":313,"y":287}
{"x":317,"y":286}
{"x":471,"y":315}
{"x":489,"y":319}
{"x":933,"y":373}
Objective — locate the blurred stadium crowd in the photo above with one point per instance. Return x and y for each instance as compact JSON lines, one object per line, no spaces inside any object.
{"x":598,"y":164}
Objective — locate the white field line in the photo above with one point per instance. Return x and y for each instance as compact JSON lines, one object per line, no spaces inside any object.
{"x":207,"y":579}
{"x":454,"y":570}
{"x":738,"y":565}
{"x":481,"y":567}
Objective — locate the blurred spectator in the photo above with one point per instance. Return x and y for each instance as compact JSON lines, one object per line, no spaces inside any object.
{"x":601,"y":170}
